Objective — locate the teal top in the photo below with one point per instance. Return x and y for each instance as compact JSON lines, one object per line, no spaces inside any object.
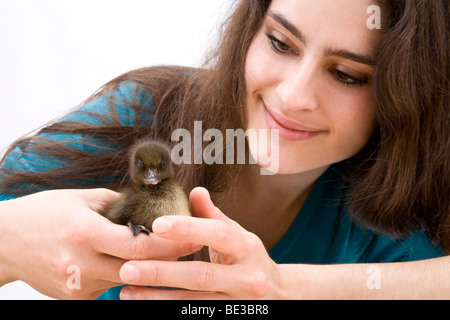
{"x":322,"y":233}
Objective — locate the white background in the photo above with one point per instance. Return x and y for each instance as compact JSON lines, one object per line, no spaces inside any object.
{"x":56,"y":53}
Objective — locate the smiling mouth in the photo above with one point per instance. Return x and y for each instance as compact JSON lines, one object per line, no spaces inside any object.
{"x":287,"y":128}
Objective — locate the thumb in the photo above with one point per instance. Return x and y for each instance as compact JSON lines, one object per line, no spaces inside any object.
{"x":202,"y":206}
{"x":97,"y":199}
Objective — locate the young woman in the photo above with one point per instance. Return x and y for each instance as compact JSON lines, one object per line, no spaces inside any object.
{"x":363,"y":175}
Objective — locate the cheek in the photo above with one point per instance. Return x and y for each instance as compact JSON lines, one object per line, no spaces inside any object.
{"x":254,"y":80}
{"x":353,"y":126}
{"x":257,"y":75}
{"x":259,"y":79}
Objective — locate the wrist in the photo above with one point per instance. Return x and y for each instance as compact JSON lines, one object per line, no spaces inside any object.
{"x":292,"y":282}
{"x":6,"y":274}
{"x":317,"y":282}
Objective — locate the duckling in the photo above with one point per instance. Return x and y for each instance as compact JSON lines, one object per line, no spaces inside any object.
{"x":152,"y":192}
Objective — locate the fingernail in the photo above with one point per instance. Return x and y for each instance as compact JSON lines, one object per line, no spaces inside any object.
{"x":126,"y":293}
{"x":161,"y":225}
{"x":129,"y":273}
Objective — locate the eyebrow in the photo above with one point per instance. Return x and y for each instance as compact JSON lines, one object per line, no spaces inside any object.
{"x":359,"y":58}
{"x":278,"y":17}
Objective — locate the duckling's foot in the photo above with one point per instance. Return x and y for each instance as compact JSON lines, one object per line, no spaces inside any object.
{"x":138,"y":229}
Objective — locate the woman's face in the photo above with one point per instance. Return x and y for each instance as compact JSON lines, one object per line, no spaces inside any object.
{"x":308,"y":73}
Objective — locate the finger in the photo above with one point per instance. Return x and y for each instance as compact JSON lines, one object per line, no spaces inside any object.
{"x":105,"y":269}
{"x":118,"y":241}
{"x":202,"y":205}
{"x":195,"y":275}
{"x":145,"y":293}
{"x":214,"y":233}
{"x":97,"y":199}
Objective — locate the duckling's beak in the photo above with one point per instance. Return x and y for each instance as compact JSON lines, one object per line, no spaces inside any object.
{"x":152,"y":177}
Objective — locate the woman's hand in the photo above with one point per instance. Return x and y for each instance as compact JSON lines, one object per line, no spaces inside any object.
{"x":240,"y":267}
{"x":50,"y":238}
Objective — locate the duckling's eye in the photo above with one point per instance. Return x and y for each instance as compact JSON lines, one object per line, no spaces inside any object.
{"x":140,"y":163}
{"x":163,"y":164}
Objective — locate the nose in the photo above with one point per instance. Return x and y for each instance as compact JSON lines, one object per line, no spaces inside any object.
{"x":298,"y":88}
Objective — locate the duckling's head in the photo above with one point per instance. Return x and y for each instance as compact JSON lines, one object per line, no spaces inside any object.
{"x":150,"y":163}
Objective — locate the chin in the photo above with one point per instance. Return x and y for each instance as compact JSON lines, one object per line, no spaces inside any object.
{"x":282,"y":162}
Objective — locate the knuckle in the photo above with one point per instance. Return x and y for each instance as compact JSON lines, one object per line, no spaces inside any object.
{"x":133,"y":248}
{"x":253,"y":242}
{"x":73,"y":294}
{"x":74,"y":234}
{"x":256,"y":285}
{"x":71,"y":282}
{"x":222,"y":232}
{"x":183,"y":228}
{"x":206,"y":276}
{"x":137,"y":249}
{"x":62,"y":265}
{"x":155,"y":273}
{"x":68,"y":235}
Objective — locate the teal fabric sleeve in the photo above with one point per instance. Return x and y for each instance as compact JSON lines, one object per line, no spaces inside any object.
{"x":322,"y":233}
{"x":99,"y":111}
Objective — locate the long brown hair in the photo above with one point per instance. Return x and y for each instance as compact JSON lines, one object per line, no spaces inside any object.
{"x":398,"y":184}
{"x":404,"y":183}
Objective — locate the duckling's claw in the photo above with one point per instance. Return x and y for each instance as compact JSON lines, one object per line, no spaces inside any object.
{"x":138,"y":229}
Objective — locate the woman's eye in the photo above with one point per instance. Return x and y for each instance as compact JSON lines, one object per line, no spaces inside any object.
{"x":278,"y":46}
{"x":347,"y":79}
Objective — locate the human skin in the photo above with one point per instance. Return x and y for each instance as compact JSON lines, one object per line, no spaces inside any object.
{"x":315,"y":86}
{"x":43,"y":234}
{"x":241,"y":268}
{"x":316,"y":90}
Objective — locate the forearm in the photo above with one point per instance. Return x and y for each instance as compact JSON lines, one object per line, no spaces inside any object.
{"x":5,"y":274}
{"x":426,"y":279}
